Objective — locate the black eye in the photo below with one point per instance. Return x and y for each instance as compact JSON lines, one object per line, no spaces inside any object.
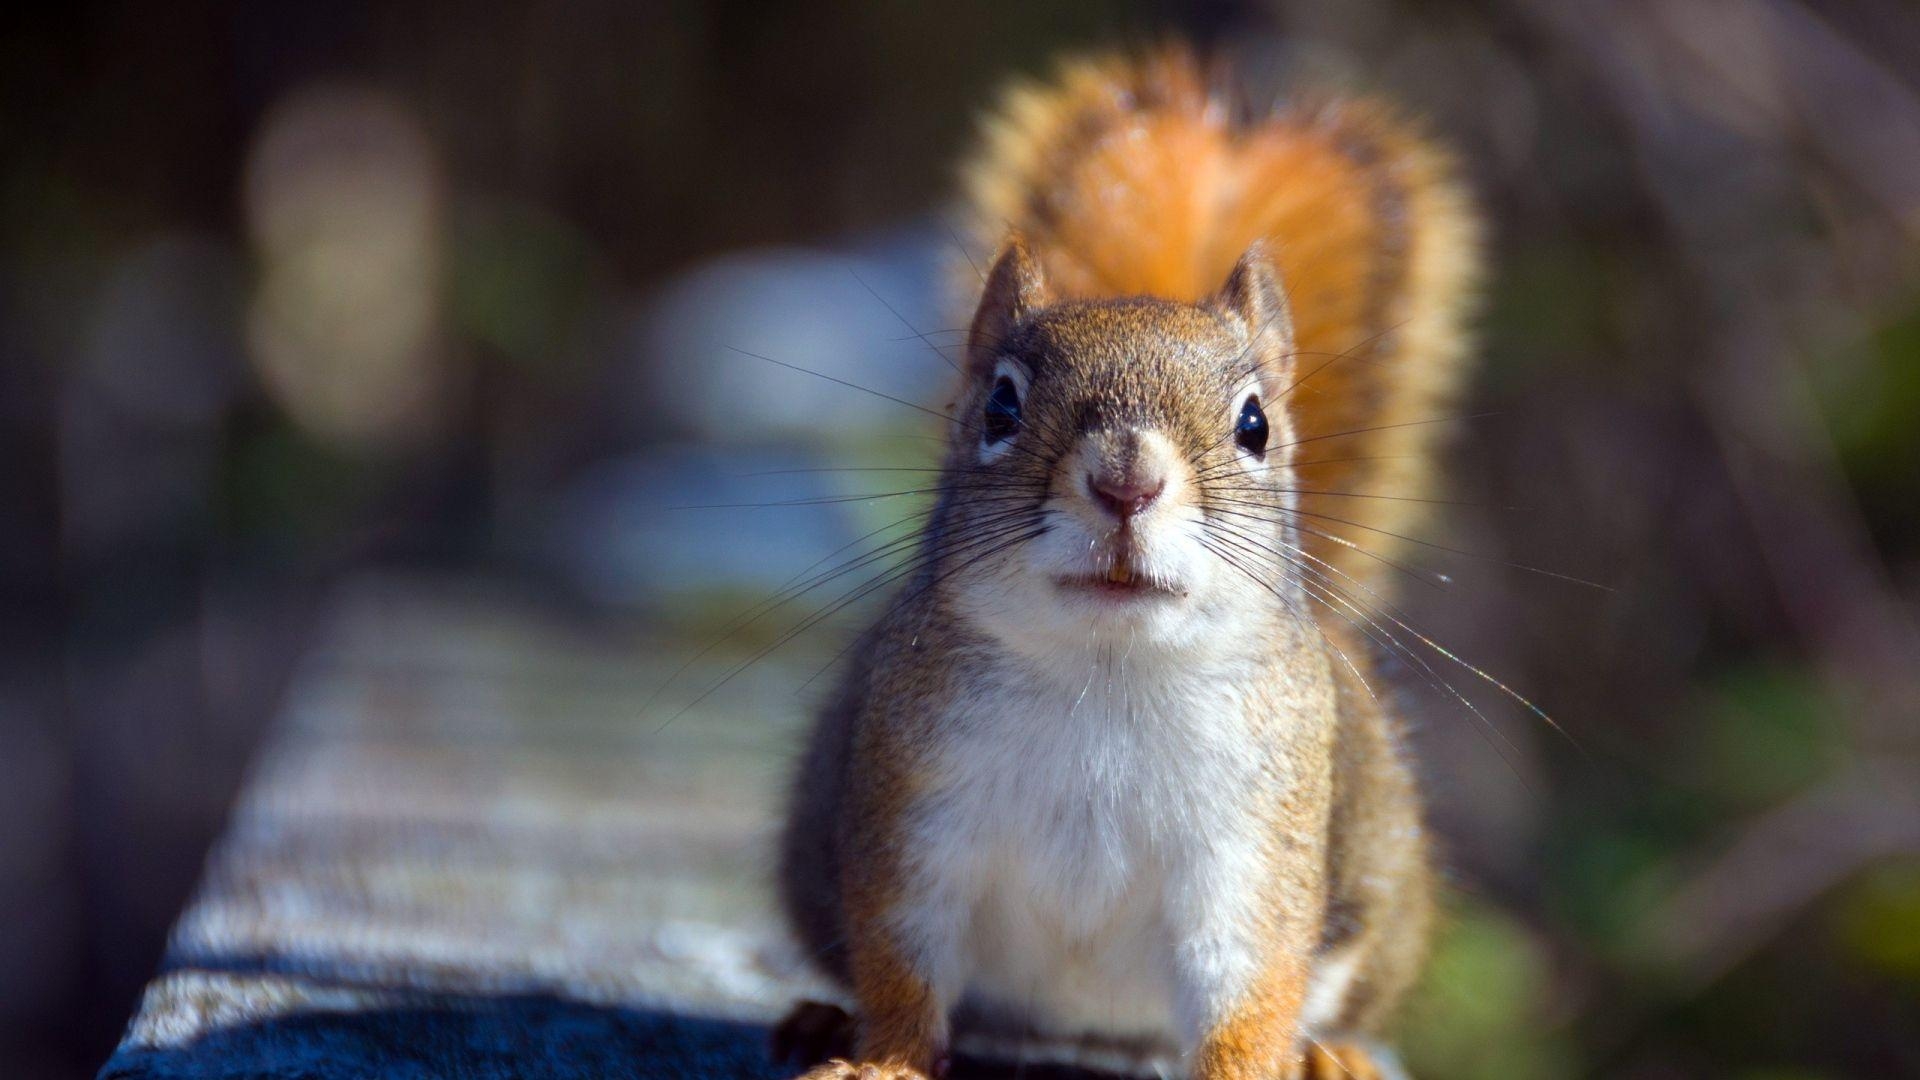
{"x":1250,"y":431}
{"x":1003,"y":413}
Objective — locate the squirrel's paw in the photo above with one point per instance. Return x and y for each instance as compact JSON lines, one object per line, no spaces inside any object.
{"x":842,"y":1069}
{"x":813,"y":1032}
{"x":1336,"y":1061}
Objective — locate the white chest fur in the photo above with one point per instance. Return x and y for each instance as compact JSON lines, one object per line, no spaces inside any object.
{"x":1060,"y":852}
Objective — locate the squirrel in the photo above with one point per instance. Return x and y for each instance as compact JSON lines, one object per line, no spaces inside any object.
{"x":1114,"y":765}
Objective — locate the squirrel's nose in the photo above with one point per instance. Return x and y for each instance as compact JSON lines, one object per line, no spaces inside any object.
{"x":1125,"y":496}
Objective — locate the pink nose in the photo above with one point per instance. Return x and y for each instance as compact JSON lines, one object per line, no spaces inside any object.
{"x":1126,"y":496}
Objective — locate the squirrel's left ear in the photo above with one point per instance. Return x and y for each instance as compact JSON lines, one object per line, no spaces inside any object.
{"x":1014,"y":290}
{"x":1252,"y":294}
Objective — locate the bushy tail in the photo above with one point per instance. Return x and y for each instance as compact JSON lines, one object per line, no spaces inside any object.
{"x":1144,"y":174}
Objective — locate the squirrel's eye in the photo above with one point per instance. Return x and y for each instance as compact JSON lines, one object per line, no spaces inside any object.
{"x":1003,"y":412}
{"x":1250,"y":431}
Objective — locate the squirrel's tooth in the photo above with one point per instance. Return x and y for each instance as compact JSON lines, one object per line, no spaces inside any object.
{"x":1120,"y":573}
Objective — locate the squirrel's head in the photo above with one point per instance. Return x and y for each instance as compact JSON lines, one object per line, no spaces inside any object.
{"x":1120,"y":467}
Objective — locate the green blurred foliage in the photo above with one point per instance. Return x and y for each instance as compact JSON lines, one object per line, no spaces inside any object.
{"x":1485,"y":1009}
{"x":1877,"y":921}
{"x":1758,"y":736}
{"x":525,"y":283}
{"x":1870,"y":395}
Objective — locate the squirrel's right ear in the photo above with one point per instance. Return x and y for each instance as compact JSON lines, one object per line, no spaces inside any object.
{"x":1015,"y":289}
{"x":1252,"y":294}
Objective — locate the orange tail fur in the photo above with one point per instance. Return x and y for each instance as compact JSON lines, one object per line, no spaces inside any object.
{"x":1140,"y":175}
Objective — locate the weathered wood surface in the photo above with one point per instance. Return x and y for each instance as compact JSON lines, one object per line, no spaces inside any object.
{"x":465,"y":851}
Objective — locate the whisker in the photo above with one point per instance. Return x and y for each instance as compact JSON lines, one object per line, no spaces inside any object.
{"x":812,"y":500}
{"x":1424,"y":577}
{"x":924,"y":340}
{"x":1388,"y":611}
{"x":840,"y":604}
{"x":1298,"y":615}
{"x":1386,"y":427}
{"x":1318,"y":586}
{"x":965,"y":254}
{"x":967,"y":425}
{"x":1497,"y":561}
{"x":840,"y":382}
{"x":801,"y":584}
{"x":1365,"y":495}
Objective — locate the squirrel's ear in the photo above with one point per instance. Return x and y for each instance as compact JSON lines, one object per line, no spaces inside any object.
{"x":1015,"y":289}
{"x":1253,"y":295}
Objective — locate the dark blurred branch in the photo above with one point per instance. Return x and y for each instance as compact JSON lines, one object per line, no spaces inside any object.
{"x":1755,"y":396}
{"x":1729,"y":201}
{"x":1781,"y":862}
{"x":1806,"y":88}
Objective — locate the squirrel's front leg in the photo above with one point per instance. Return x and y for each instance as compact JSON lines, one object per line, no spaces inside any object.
{"x":1242,"y":996}
{"x":902,"y":938}
{"x":1244,"y":927}
{"x":902,"y":1022}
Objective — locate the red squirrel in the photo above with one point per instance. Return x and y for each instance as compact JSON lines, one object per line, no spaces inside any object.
{"x":1115,"y":764}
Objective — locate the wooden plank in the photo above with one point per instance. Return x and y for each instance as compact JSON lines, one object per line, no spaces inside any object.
{"x":462,"y":851}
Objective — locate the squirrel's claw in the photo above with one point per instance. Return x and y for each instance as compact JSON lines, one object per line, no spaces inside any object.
{"x":842,"y":1069}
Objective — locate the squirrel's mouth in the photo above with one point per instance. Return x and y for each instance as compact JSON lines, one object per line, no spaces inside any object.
{"x":1122,"y":580}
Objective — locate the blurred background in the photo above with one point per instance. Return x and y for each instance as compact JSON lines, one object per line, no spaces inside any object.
{"x":296,"y":294}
